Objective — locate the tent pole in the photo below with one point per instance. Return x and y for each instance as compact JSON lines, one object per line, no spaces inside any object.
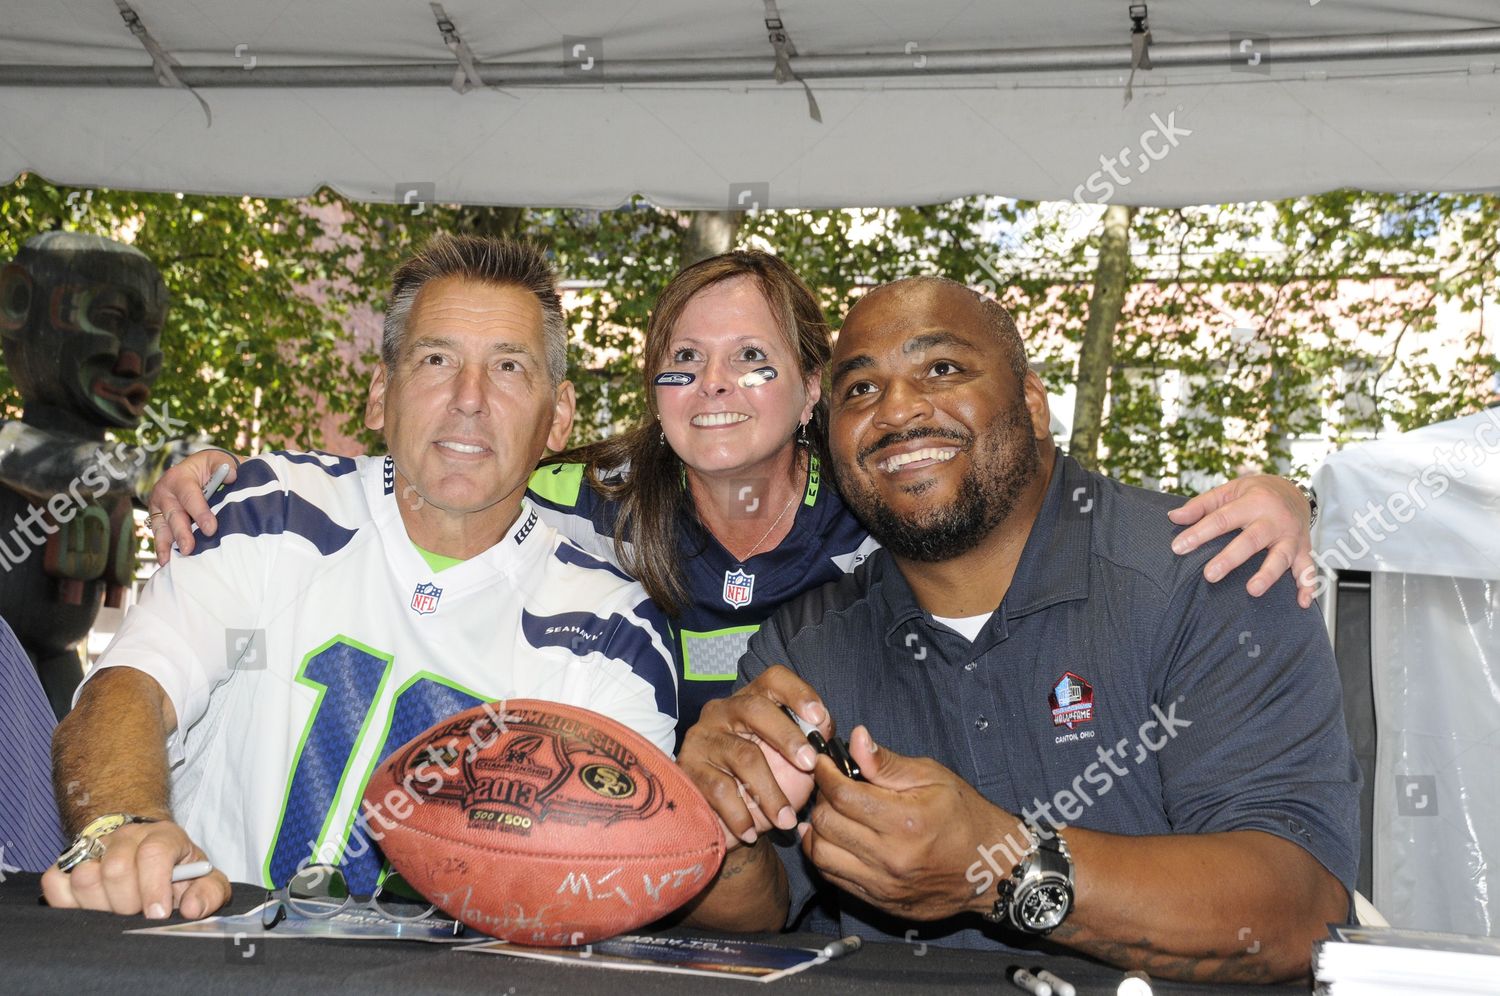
{"x":1222,"y":54}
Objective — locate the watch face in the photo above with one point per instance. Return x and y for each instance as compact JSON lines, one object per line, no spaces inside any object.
{"x":106,"y":824}
{"x":1045,"y":905}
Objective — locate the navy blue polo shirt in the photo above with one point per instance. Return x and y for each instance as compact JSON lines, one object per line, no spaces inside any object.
{"x":1113,"y":689}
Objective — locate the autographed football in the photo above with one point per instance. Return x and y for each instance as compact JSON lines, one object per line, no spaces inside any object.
{"x":543,"y":823}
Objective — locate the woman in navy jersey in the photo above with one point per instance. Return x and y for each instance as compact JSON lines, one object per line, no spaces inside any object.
{"x":719,"y":499}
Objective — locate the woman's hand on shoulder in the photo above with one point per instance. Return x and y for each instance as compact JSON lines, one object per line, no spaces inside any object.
{"x":177,"y":501}
{"x":1271,"y":515}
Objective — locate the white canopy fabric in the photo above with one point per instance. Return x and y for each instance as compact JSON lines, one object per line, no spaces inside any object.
{"x":1422,"y":502}
{"x":1421,"y":510}
{"x":682,"y":106}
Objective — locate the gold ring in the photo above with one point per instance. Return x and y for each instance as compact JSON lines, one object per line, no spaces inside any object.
{"x":154,"y":515}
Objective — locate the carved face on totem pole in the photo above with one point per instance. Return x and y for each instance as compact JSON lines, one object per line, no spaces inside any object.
{"x":81,"y":319}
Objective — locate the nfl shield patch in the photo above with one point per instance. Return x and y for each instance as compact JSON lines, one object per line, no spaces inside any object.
{"x":425,"y":599}
{"x":739,"y":587}
{"x":1072,"y":701}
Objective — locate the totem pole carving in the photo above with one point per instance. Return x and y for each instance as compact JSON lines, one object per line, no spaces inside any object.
{"x":80,"y":319}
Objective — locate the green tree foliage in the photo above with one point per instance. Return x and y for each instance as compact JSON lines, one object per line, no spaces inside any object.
{"x":1259,"y":318}
{"x":1277,"y":314}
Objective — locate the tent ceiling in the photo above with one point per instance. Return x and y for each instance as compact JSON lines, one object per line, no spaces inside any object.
{"x":919,"y":102}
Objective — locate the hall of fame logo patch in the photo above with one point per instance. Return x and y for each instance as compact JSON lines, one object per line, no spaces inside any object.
{"x":1072,"y":701}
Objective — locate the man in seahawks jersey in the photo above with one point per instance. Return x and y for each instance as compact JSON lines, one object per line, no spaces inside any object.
{"x":344,"y":605}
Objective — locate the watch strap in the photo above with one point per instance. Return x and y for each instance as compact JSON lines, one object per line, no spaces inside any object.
{"x":1055,"y":844}
{"x":1311,"y":497}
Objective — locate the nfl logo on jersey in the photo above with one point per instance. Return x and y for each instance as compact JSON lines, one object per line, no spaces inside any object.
{"x":738,"y":587}
{"x":425,"y":599}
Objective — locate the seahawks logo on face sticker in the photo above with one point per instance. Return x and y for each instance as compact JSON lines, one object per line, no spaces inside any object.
{"x":758,"y":376}
{"x":674,"y":378}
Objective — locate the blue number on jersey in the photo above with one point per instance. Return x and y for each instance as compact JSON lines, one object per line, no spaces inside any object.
{"x":349,"y":677}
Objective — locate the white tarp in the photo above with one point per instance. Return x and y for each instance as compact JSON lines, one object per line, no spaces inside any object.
{"x":1435,"y":663}
{"x":1246,"y":126}
{"x":1422,"y":502}
{"x":1421,"y":510}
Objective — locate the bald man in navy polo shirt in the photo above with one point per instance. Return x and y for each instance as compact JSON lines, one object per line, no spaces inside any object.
{"x":1080,"y":741}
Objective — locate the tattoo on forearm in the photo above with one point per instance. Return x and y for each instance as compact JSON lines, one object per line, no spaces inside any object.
{"x":745,"y":857}
{"x":1144,"y":955}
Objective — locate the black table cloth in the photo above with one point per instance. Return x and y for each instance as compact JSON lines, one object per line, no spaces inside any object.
{"x":44,"y":950}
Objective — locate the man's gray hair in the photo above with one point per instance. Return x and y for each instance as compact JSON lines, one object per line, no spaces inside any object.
{"x":498,"y":262}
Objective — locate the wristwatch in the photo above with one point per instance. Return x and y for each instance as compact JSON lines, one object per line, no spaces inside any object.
{"x":1039,"y":892}
{"x":89,"y":843}
{"x":1312,"y":502}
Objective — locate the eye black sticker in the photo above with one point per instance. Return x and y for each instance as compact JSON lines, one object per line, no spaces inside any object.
{"x":758,"y":376}
{"x":674,"y":378}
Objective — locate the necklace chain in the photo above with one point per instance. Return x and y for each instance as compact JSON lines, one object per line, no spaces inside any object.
{"x":785,"y":508}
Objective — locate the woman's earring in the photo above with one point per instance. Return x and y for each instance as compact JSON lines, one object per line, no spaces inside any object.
{"x":802,"y":433}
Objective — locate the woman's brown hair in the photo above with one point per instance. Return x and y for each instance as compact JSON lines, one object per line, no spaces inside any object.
{"x":653,"y":501}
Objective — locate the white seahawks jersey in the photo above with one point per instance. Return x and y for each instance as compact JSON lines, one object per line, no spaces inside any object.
{"x":308,"y":638}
